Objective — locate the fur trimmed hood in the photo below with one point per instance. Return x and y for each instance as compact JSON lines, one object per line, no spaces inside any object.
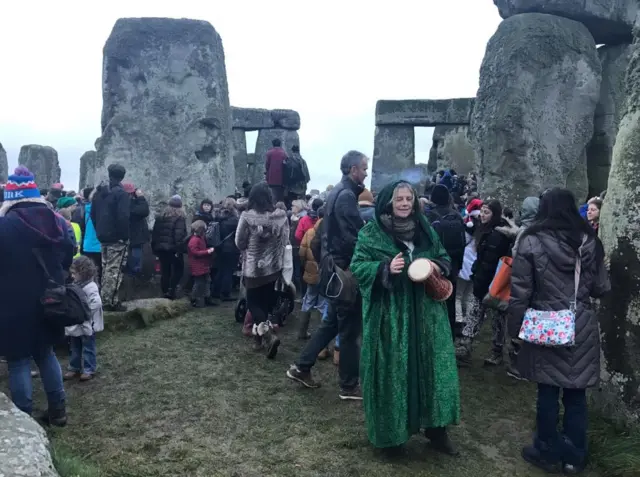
{"x":267,"y":225}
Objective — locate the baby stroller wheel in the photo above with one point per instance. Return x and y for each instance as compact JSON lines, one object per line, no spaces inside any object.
{"x":241,"y":310}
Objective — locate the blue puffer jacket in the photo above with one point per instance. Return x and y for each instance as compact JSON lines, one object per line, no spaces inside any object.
{"x":23,"y":330}
{"x":90,"y":244}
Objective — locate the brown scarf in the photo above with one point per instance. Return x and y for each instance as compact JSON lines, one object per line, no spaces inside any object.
{"x":404,"y":229}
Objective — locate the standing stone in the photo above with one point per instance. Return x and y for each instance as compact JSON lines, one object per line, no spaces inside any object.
{"x":4,"y":165}
{"x":87,"y":169}
{"x":166,"y":115}
{"x":615,"y":60}
{"x":42,"y":161}
{"x":240,"y":159}
{"x":453,"y":149}
{"x":533,"y":115}
{"x":619,"y":314}
{"x":393,"y":152}
{"x":289,"y":139}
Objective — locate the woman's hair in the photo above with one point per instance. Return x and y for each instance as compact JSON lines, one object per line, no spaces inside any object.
{"x":84,"y":269}
{"x":280,"y":205}
{"x":484,"y":229}
{"x":65,"y":213}
{"x":300,"y":204}
{"x":198,"y":228}
{"x":170,"y":211}
{"x":229,"y":204}
{"x":558,"y":213}
{"x":316,"y":204}
{"x":597,"y":201}
{"x":261,"y":198}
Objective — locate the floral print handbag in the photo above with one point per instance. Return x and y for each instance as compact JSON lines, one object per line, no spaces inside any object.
{"x":553,"y":328}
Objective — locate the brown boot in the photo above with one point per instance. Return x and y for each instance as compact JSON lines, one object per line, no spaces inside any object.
{"x":336,"y":357}
{"x":324,"y":354}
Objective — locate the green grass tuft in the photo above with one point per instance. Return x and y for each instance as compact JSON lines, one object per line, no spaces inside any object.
{"x":69,"y":464}
{"x":615,"y":450}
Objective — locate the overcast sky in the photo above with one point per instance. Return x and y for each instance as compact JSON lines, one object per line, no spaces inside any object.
{"x":331,"y":62}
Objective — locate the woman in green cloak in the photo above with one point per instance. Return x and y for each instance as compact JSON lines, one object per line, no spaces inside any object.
{"x":408,"y":367}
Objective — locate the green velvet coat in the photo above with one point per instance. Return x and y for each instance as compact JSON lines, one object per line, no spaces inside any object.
{"x":408,"y":369}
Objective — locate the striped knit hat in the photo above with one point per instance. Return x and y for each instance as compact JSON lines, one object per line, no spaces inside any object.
{"x":21,"y":185}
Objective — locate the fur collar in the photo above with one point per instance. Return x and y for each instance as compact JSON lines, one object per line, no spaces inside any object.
{"x":276,"y":218}
{"x":6,"y":206}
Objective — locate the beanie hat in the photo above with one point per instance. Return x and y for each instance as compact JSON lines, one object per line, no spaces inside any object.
{"x":365,"y":196}
{"x":21,"y":185}
{"x":65,"y":202}
{"x":128,"y":187}
{"x":57,"y":186}
{"x":440,"y":195}
{"x":175,"y":201}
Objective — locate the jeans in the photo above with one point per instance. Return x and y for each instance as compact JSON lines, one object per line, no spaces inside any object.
{"x":325,"y":317}
{"x":134,"y":261}
{"x":345,"y":321}
{"x":570,"y":446}
{"x":83,"y":350}
{"x":222,"y":281}
{"x":171,"y":270}
{"x":200,"y":289}
{"x":21,"y":385}
{"x":312,"y":299}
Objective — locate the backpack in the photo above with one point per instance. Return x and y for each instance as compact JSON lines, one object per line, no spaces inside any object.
{"x":293,"y":172}
{"x":451,"y":230}
{"x":64,"y":305}
{"x":212,"y":234}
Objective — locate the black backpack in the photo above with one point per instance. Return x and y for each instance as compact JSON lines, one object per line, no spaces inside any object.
{"x":64,"y":305}
{"x":451,"y":230}
{"x":293,"y":171}
{"x":212,"y":234}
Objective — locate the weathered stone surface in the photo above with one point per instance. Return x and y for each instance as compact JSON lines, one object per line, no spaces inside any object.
{"x":286,"y":119}
{"x":42,"y":161}
{"x":288,"y":137}
{"x":615,"y":60}
{"x":252,"y":119}
{"x":24,"y":446}
{"x":393,"y":153}
{"x":240,"y":156}
{"x":619,"y":313}
{"x":424,"y":112}
{"x":166,"y":115}
{"x":609,"y":21}
{"x":533,"y":116}
{"x":87,"y":169}
{"x":452,"y":149}
{"x":4,"y":165}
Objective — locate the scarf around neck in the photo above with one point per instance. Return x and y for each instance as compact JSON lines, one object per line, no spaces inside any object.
{"x":403,"y":229}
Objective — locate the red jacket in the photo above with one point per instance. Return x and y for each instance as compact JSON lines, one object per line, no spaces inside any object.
{"x":275,"y":166}
{"x":305,"y":224}
{"x":199,"y":257}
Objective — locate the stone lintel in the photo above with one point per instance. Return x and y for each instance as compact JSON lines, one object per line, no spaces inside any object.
{"x":424,"y":112}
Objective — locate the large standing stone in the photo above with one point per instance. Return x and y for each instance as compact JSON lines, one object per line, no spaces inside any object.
{"x":619,"y":314}
{"x":4,"y":165}
{"x":289,"y":139}
{"x":533,"y":115}
{"x":393,"y":153}
{"x":24,"y":446}
{"x":166,"y":115}
{"x":42,"y":161}
{"x":452,"y":149}
{"x":615,"y":60}
{"x":609,"y":21}
{"x":87,"y":169}
{"x":240,"y":159}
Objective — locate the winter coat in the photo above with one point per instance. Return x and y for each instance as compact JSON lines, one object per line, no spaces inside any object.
{"x":138,"y":225}
{"x":367,"y":213}
{"x":274,"y":166}
{"x":490,"y":249}
{"x":543,"y":279}
{"x":169,"y":234}
{"x":305,"y":224}
{"x":90,"y":243}
{"x":96,"y":324}
{"x":199,"y":256}
{"x":110,"y":213}
{"x":455,"y":250}
{"x":262,"y":238}
{"x":228,"y":225}
{"x":308,"y":261}
{"x":25,"y":226}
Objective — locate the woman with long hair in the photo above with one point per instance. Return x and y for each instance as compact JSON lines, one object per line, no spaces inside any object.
{"x":262,"y":235}
{"x":593,"y":212}
{"x":409,"y":375}
{"x":544,"y":278}
{"x":168,"y":244}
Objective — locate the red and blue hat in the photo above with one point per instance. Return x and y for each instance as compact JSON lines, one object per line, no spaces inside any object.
{"x":21,"y":185}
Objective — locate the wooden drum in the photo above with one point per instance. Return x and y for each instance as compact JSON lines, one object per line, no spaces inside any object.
{"x":436,"y":286}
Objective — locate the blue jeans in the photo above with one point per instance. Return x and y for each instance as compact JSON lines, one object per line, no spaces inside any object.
{"x":221,"y":283}
{"x":21,"y":385}
{"x":83,"y":348}
{"x":134,"y":260}
{"x":312,"y":299}
{"x":325,"y":317}
{"x":570,"y":445}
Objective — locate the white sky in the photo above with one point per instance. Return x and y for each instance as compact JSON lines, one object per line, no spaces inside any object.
{"x":329,"y":60}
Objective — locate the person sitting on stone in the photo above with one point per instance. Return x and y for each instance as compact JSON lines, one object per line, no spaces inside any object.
{"x":274,"y":170}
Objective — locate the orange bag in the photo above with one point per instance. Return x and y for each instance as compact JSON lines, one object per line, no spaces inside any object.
{"x":500,"y":288}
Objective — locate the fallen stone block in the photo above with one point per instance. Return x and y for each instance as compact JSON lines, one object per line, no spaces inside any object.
{"x":144,"y":312}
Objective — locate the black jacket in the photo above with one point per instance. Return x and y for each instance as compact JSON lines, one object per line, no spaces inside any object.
{"x":453,"y":243}
{"x":169,"y":234}
{"x":342,"y":222}
{"x":110,"y":213}
{"x":491,"y":248}
{"x":228,"y":225}
{"x":138,"y":226}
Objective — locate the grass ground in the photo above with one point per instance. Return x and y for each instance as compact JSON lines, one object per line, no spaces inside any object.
{"x":187,"y":397}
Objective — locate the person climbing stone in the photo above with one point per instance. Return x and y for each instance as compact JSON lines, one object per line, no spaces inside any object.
{"x":110,"y":214}
{"x":274,"y":170}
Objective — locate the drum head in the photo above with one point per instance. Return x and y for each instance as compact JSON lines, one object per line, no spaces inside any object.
{"x":419,"y":270}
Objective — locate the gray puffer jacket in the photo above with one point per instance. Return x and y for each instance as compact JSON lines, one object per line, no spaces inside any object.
{"x":543,"y":279}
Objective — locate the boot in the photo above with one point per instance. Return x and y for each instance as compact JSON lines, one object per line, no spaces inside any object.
{"x":54,"y":417}
{"x":440,"y":441}
{"x":496,"y":358}
{"x":463,"y":352}
{"x":303,"y":331}
{"x":247,"y":327}
{"x":257,"y":343}
{"x":272,"y":342}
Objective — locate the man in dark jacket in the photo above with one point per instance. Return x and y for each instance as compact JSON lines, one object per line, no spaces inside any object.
{"x":274,"y":170}
{"x":110,"y":213}
{"x":450,"y":227}
{"x":339,"y":232}
{"x":27,"y":223}
{"x":298,"y":189}
{"x":138,"y":227}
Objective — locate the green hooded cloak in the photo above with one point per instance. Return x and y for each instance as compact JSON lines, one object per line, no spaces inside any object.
{"x":408,"y":369}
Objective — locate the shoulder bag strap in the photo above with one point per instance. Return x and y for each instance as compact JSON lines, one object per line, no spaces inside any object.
{"x":576,"y":277}
{"x":36,"y":252}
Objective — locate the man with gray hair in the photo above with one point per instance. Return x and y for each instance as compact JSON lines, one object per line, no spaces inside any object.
{"x":338,"y":234}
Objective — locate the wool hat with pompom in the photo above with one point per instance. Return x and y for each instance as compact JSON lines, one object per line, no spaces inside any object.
{"x":20,"y":187}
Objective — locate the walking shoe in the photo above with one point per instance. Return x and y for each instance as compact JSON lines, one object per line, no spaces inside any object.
{"x":463,"y":355}
{"x":53,"y":417}
{"x":512,"y":372}
{"x":535,"y":458}
{"x":354,"y":394}
{"x":324,"y":354}
{"x":84,"y":377}
{"x":336,"y":357}
{"x":69,"y":375}
{"x":440,"y":441}
{"x":302,"y":377}
{"x":570,"y":469}
{"x":496,"y":358}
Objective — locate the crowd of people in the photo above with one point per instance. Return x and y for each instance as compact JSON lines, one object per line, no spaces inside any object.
{"x":397,"y":344}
